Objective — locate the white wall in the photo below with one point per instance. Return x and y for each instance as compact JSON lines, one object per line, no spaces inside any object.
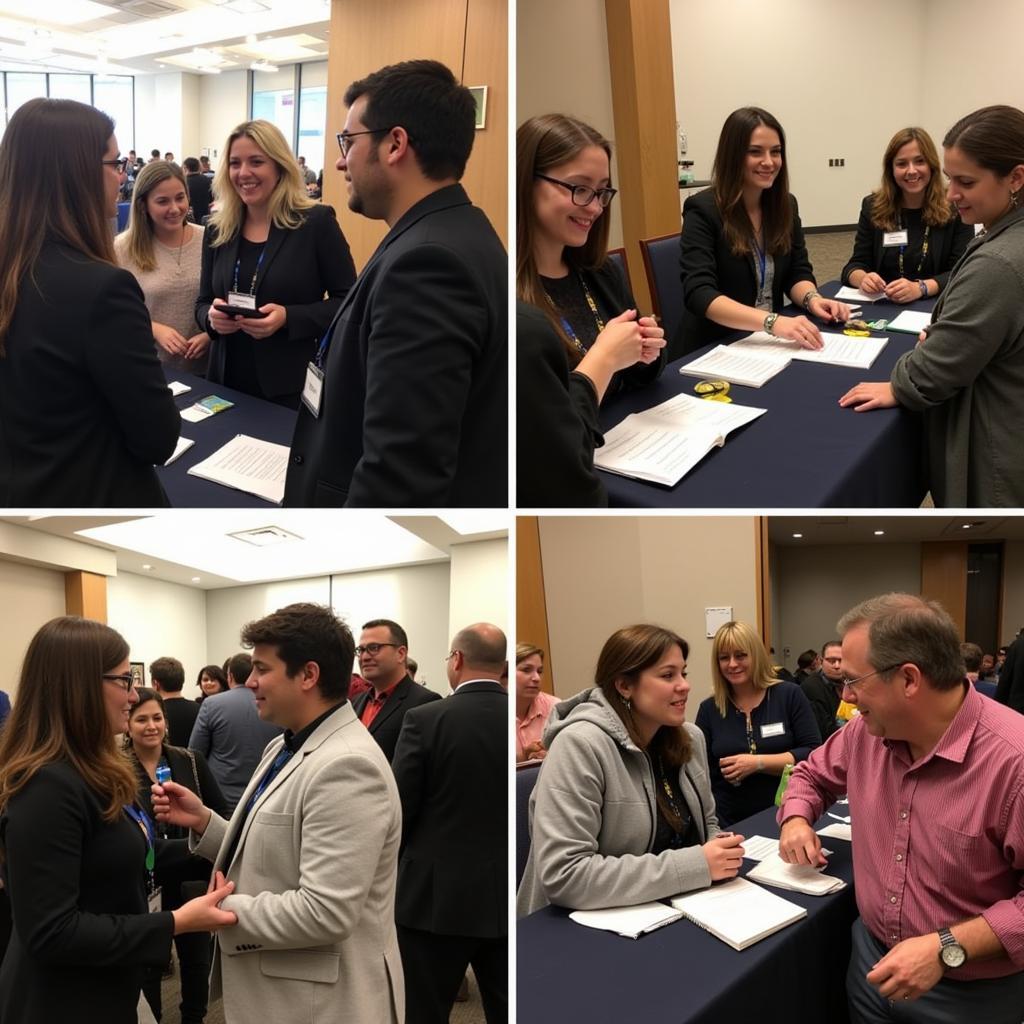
{"x":160,"y":619}
{"x":222,"y":107}
{"x":29,"y":596}
{"x":479,"y":585}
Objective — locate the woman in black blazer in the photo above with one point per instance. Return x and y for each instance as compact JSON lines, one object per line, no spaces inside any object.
{"x":909,"y":236}
{"x":271,"y":248}
{"x":147,"y":746}
{"x":564,"y":186}
{"x":85,"y":411}
{"x":77,"y":849}
{"x":742,"y":247}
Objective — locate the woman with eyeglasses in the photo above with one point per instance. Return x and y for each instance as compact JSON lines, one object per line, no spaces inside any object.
{"x":742,"y":247}
{"x":78,"y":850}
{"x":147,"y":746}
{"x":275,"y":257}
{"x":622,"y":811}
{"x":162,"y":249}
{"x":909,"y":236}
{"x":85,"y":412}
{"x":754,"y":724}
{"x":967,"y":374}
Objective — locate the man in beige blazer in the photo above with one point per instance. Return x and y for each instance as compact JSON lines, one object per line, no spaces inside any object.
{"x":312,"y":846}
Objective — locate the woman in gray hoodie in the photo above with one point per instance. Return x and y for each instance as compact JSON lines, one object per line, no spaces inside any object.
{"x":622,"y":812}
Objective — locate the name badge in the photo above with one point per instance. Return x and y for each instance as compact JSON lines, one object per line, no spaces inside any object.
{"x":155,"y":901}
{"x":891,"y":238}
{"x":313,"y":388}
{"x":772,"y":729}
{"x":241,"y":300}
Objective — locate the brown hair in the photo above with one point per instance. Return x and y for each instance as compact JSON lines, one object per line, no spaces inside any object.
{"x":739,"y":636}
{"x":525,"y":650}
{"x":61,"y":713}
{"x":627,"y":653}
{"x":145,"y":696}
{"x":887,"y":199}
{"x":992,"y":137}
{"x":727,"y":178}
{"x":51,"y":188}
{"x":543,"y":143}
{"x":138,"y":236}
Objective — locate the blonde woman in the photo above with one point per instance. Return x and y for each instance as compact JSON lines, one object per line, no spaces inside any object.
{"x":533,"y":705}
{"x":754,"y":724}
{"x":909,"y":236}
{"x":164,"y":252}
{"x":273,"y":253}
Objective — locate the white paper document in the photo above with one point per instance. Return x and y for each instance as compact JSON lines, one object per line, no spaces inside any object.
{"x":845,"y":294}
{"x":759,"y":847}
{"x":837,"y":349}
{"x":180,"y":448}
{"x":837,"y":831}
{"x":177,"y":388}
{"x":726,"y":362}
{"x":910,"y":321}
{"x":775,"y":871}
{"x":247,"y":464}
{"x":663,"y":444}
{"x":631,"y":922}
{"x":738,"y":912}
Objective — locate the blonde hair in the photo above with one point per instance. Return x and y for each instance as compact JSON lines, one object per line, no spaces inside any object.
{"x":525,"y":650}
{"x":138,"y":236}
{"x":288,"y":201}
{"x":738,"y":636}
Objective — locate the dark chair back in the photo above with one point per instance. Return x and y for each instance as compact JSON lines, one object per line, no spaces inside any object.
{"x":661,"y":264}
{"x":618,"y":257}
{"x":526,"y":778}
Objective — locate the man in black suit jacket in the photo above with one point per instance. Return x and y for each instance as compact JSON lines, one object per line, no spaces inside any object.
{"x":407,"y":403}
{"x":200,"y":191}
{"x":382,"y":648}
{"x":451,"y":766}
{"x":824,"y":688}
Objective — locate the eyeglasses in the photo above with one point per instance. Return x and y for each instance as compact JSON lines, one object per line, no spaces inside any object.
{"x":372,"y":649}
{"x":451,"y":654}
{"x":127,"y":680}
{"x":583,"y":195}
{"x":852,"y":683}
{"x":345,"y":138}
{"x":118,"y":163}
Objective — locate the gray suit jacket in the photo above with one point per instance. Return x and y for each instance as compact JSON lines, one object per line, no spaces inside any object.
{"x":314,"y":872}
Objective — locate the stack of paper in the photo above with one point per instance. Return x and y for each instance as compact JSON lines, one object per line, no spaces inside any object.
{"x":177,"y":388}
{"x":837,"y":350}
{"x":726,"y":362}
{"x":663,"y":444}
{"x":629,"y":921}
{"x":247,"y":464}
{"x":910,"y":321}
{"x":775,"y":871}
{"x":759,"y":847}
{"x":837,"y":830}
{"x":738,"y":912}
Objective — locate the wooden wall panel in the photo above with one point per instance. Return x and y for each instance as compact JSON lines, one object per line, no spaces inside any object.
{"x":763,"y":580}
{"x":85,"y":594}
{"x":368,"y":34}
{"x":531,"y":603}
{"x":944,"y":577}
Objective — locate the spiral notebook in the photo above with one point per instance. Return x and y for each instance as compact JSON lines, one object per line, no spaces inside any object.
{"x":738,"y":912}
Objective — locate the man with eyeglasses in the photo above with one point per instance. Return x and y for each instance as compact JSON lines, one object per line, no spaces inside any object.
{"x":405,"y":403}
{"x":383,"y":646}
{"x":935,"y":777}
{"x":824,"y":689}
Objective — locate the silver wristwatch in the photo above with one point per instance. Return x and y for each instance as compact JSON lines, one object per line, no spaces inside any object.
{"x":951,"y":953}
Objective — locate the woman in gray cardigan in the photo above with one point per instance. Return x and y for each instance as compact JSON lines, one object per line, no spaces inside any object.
{"x":967,"y":373}
{"x":622,"y":811}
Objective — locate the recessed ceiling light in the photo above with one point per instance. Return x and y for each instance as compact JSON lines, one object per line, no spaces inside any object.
{"x":147,"y":567}
{"x":879,"y":533}
{"x":966,"y":526}
{"x":797,"y":535}
{"x":195,"y":579}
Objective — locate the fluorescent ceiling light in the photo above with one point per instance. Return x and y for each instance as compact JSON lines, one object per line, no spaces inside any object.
{"x":469,"y":521}
{"x":879,"y":533}
{"x":797,"y":536}
{"x":62,"y":12}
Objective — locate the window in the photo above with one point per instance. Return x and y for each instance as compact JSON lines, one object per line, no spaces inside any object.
{"x":71,"y":87}
{"x":21,"y":88}
{"x":273,"y":99}
{"x":312,"y":113}
{"x":115,"y":96}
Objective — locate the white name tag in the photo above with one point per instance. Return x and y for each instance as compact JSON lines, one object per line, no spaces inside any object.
{"x":891,"y":238}
{"x":772,"y":729}
{"x":241,"y":300}
{"x":313,"y":388}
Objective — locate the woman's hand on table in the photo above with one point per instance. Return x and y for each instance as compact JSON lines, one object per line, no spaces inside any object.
{"x":902,"y":290}
{"x":798,"y":329}
{"x":866,"y":396}
{"x":829,"y":309}
{"x":724,"y":854}
{"x":871,"y":283}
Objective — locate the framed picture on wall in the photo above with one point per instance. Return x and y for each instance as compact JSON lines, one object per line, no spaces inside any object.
{"x":138,"y":670}
{"x":480,"y":95}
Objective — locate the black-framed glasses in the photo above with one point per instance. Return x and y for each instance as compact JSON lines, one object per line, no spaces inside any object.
{"x":583,"y":195}
{"x":127,"y":680}
{"x":118,"y":163}
{"x":345,"y":138}
{"x":372,"y":649}
{"x":852,"y":683}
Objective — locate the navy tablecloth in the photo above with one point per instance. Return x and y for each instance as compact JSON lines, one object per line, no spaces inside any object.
{"x":681,"y":974}
{"x":805,"y":452}
{"x":253,"y":416}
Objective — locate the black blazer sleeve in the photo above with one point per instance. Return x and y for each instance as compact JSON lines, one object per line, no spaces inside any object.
{"x":47,"y":826}
{"x":865,"y":244}
{"x":699,"y":246}
{"x":556,"y":421}
{"x":204,"y":300}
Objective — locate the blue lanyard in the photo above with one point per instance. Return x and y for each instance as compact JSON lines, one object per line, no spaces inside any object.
{"x":325,"y":344}
{"x":238,"y":266}
{"x":141,"y":818}
{"x":762,"y":259}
